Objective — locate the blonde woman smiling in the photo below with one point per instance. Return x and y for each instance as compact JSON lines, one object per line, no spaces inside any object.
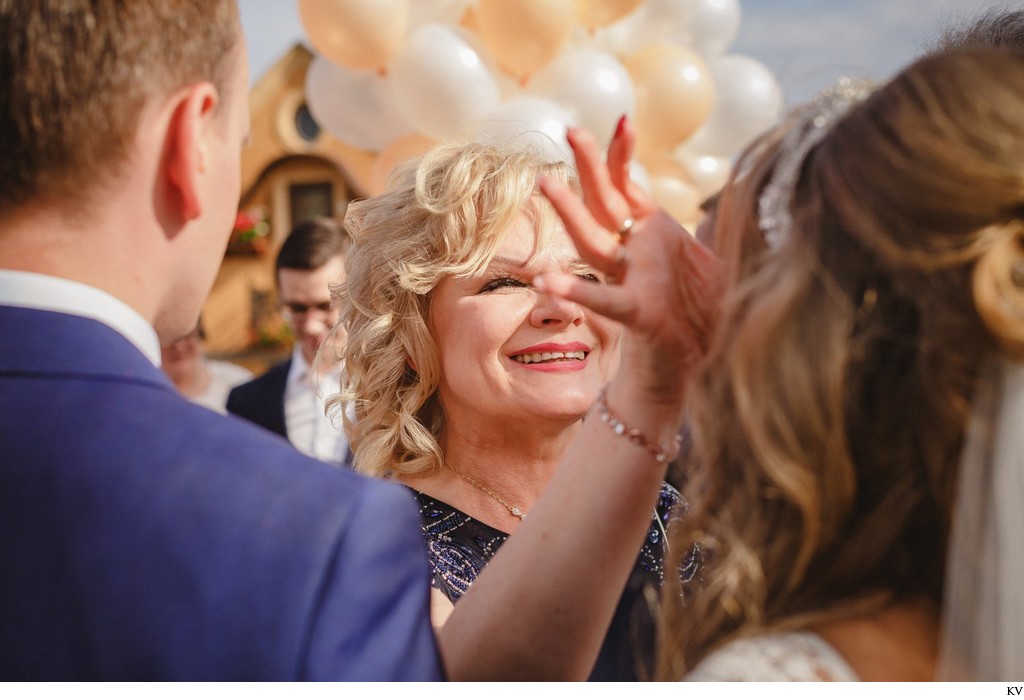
{"x":468,"y":383}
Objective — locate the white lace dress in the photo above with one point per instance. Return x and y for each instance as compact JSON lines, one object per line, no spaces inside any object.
{"x":785,"y":656}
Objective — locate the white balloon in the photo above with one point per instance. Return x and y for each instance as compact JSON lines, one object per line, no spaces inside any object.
{"x":508,"y":85}
{"x":529,"y":123}
{"x":618,"y":38}
{"x":638,"y":174}
{"x":354,"y":105}
{"x":591,"y":84}
{"x":615,"y":38}
{"x":748,"y":100}
{"x":712,"y":26}
{"x":708,"y":173}
{"x":709,"y":27}
{"x":653,"y":22}
{"x":440,"y":83}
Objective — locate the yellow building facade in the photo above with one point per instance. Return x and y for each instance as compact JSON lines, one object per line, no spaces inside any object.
{"x":292,"y":170}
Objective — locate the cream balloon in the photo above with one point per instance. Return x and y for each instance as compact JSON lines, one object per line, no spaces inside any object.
{"x":398,"y":151}
{"x":599,"y":13}
{"x":364,"y":34}
{"x":440,"y":84}
{"x":678,"y":197}
{"x":674,"y":95}
{"x":356,"y":106}
{"x":748,"y":101}
{"x":708,"y":173}
{"x":592,"y":84}
{"x":524,"y":35}
{"x":529,"y":122}
{"x":665,"y":165}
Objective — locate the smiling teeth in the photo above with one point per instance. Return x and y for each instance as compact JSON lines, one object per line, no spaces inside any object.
{"x":547,"y":356}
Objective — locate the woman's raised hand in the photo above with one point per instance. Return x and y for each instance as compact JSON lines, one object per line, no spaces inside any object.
{"x":664,"y":286}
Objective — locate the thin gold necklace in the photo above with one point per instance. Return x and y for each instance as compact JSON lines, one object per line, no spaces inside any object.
{"x":514,"y":510}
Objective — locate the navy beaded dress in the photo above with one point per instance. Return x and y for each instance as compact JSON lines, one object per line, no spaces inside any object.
{"x":459,"y":546}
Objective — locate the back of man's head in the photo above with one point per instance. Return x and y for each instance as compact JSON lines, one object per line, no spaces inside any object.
{"x":75,"y":76}
{"x":311,"y":244}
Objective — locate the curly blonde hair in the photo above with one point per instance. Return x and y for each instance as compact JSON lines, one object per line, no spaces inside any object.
{"x":829,"y":415}
{"x":443,"y":215}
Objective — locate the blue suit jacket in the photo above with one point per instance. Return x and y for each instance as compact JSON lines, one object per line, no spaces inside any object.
{"x":145,"y":537}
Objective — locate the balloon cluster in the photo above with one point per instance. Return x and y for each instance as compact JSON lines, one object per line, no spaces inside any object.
{"x":393,"y":77}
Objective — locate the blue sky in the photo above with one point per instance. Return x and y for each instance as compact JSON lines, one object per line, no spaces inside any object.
{"x":809,"y":43}
{"x":805,"y":43}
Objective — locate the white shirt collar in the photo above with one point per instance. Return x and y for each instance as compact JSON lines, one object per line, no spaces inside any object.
{"x":31,"y":290}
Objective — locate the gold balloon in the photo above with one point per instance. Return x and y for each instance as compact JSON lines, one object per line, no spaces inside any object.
{"x":470,"y":20}
{"x":401,"y":149}
{"x":679,"y":198}
{"x":525,"y":35}
{"x":361,"y":34}
{"x":665,"y":165}
{"x":674,"y":93}
{"x":600,"y":13}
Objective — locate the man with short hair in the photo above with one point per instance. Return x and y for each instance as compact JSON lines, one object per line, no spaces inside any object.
{"x":145,"y":537}
{"x":289,"y":398}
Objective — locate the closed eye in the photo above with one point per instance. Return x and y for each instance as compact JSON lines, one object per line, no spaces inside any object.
{"x":589,"y":277}
{"x":501,"y":282}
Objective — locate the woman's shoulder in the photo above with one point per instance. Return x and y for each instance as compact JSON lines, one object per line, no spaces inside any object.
{"x":458,"y":545}
{"x":781,"y":656}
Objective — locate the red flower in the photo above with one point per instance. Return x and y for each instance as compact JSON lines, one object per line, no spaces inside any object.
{"x":246,"y":221}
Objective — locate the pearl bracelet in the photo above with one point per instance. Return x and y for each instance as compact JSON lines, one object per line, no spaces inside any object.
{"x":660,"y":453}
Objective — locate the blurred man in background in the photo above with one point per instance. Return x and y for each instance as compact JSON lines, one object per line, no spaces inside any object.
{"x":289,"y":398}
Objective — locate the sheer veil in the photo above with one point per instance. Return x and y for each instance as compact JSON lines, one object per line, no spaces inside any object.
{"x":983,"y":611}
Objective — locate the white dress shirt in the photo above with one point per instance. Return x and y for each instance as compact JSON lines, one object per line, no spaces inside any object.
{"x":30,"y":290}
{"x":310,"y":430}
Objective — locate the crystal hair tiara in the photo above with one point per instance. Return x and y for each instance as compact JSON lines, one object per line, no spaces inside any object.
{"x":813,"y":121}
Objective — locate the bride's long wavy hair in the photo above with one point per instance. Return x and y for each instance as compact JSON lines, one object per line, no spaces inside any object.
{"x":829,"y":414}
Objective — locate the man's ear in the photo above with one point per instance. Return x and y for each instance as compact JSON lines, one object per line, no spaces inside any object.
{"x":188,"y":135}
